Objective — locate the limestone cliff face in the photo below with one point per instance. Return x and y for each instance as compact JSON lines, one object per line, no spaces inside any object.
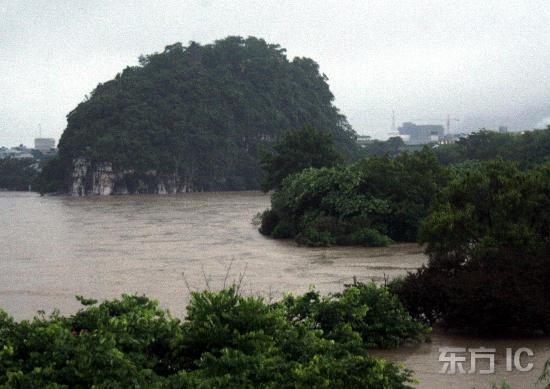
{"x":102,"y":180}
{"x":79,"y":175}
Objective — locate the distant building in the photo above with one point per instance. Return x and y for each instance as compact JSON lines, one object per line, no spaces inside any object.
{"x":429,"y":133}
{"x":44,"y":145}
{"x":448,"y":139}
{"x":18,"y":152}
{"x":396,"y":134}
{"x":4,"y":152}
{"x":503,"y":129}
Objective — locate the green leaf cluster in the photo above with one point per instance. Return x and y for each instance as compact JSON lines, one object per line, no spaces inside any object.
{"x":371,"y":202}
{"x":226,"y":340}
{"x":296,"y":151}
{"x":371,"y":311}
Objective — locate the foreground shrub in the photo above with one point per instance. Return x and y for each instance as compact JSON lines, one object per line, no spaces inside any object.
{"x":367,"y":309}
{"x":488,"y":239}
{"x":227,"y":340}
{"x":369,"y":203}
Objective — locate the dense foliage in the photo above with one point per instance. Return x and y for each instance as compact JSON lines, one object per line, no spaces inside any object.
{"x":372,"y":311}
{"x":371,"y":202}
{"x":203,"y":113}
{"x":529,"y":148}
{"x":17,"y":174}
{"x":391,"y":147}
{"x":296,"y":151}
{"x":488,"y":239}
{"x":227,"y":340}
{"x":51,"y":178}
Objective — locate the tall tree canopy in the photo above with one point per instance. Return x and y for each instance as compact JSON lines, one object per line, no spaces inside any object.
{"x":203,"y":112}
{"x":297,"y":151}
{"x":529,"y":148}
{"x":488,"y":238}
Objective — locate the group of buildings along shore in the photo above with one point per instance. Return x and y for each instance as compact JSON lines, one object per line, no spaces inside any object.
{"x":43,"y":148}
{"x":410,"y":133}
{"x":425,"y":134}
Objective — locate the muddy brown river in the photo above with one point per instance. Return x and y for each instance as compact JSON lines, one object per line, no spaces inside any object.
{"x":53,"y":248}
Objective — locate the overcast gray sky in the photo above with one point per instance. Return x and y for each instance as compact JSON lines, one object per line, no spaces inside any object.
{"x":485,"y":62}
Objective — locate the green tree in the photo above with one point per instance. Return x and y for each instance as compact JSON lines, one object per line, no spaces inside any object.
{"x":371,"y":202}
{"x":391,"y":147}
{"x":488,"y":239}
{"x":296,"y":151}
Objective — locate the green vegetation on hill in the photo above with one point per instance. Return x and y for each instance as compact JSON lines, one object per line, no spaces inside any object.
{"x":226,"y":340}
{"x":371,"y":202}
{"x":203,"y":113}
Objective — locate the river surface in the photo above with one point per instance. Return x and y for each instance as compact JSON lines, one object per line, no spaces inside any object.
{"x":53,"y":248}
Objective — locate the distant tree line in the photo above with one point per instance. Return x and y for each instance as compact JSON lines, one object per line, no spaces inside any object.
{"x":18,"y":174}
{"x":40,"y":173}
{"x":528,"y":148}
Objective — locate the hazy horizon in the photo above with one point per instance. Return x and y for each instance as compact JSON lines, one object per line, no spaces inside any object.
{"x":486,"y":64}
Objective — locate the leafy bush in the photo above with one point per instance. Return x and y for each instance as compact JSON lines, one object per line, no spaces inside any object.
{"x":367,"y":309}
{"x":226,"y":340}
{"x":315,"y":238}
{"x":268,"y":221}
{"x":370,"y":237}
{"x":283,"y":230}
{"x":371,"y":202}
{"x":488,"y":238}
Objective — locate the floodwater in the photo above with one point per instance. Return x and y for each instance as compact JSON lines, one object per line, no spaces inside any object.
{"x":53,"y":248}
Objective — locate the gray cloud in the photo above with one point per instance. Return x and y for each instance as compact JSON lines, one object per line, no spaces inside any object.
{"x":487,"y":63}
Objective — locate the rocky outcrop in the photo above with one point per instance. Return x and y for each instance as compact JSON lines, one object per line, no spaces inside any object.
{"x":101,"y":179}
{"x":79,"y":176}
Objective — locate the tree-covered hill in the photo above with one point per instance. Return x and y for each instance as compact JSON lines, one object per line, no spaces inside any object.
{"x":202,"y":114}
